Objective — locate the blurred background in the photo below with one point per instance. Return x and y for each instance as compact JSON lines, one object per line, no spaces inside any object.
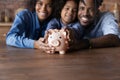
{"x":8,"y":8}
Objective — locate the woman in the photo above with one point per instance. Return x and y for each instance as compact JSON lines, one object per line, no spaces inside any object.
{"x":29,"y":27}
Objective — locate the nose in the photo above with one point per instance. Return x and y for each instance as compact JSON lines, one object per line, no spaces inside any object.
{"x":43,"y":8}
{"x":70,"y":11}
{"x":86,"y":12}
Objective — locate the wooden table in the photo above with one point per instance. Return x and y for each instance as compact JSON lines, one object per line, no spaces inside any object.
{"x":31,"y":64}
{"x":4,"y":28}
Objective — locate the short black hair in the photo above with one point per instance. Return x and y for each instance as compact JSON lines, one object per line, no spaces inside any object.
{"x":97,"y":2}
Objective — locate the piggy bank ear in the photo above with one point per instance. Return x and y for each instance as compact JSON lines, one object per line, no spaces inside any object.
{"x":47,"y":33}
{"x":68,"y":33}
{"x":65,"y":33}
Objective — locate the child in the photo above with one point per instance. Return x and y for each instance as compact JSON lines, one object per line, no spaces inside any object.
{"x":66,"y":16}
{"x":28,"y":27}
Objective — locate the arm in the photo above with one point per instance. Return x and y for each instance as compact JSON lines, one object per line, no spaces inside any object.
{"x":77,"y":30}
{"x":101,"y":42}
{"x":17,"y":34}
{"x":109,"y":40}
{"x":107,"y":34}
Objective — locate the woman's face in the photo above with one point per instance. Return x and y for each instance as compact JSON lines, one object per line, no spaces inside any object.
{"x":69,"y":12}
{"x":86,"y":12}
{"x":43,"y":9}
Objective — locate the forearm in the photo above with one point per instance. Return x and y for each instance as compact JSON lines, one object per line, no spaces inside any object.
{"x":105,"y":41}
{"x":101,"y":42}
{"x":81,"y":44}
{"x":19,"y":41}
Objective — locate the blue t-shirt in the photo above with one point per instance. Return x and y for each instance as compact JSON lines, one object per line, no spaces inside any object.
{"x":58,"y":24}
{"x":106,"y":24}
{"x":25,"y":29}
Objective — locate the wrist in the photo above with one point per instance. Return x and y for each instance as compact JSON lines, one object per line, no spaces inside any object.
{"x":35,"y":44}
{"x":89,"y":43}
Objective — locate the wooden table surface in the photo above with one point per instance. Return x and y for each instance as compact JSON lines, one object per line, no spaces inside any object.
{"x":31,"y":64}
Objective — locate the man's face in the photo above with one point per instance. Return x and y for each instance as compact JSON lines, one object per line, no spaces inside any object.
{"x":86,"y":12}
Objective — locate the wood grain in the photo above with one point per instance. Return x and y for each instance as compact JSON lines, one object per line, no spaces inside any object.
{"x":31,"y":64}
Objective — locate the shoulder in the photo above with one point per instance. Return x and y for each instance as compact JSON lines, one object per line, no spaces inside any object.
{"x":26,"y":15}
{"x":106,"y":15}
{"x":54,"y":21}
{"x":76,"y":25}
{"x":25,"y":12}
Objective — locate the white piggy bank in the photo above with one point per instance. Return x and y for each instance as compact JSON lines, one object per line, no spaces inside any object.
{"x":58,"y":39}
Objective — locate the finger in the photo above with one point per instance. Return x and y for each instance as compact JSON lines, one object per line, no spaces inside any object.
{"x":47,"y":52}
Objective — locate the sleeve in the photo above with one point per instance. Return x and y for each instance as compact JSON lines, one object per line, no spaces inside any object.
{"x":78,"y":30}
{"x":110,"y":25}
{"x":17,"y":35}
{"x":53,"y":24}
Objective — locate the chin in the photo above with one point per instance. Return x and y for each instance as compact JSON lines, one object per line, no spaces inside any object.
{"x":84,"y":24}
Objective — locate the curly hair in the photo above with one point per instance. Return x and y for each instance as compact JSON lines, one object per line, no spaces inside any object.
{"x":60,"y":5}
{"x":31,"y":4}
{"x":97,"y":2}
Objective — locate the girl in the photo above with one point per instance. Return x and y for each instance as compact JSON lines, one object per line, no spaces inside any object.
{"x":66,"y":17}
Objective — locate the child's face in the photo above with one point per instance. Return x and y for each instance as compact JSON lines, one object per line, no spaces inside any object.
{"x":69,"y":12}
{"x":43,"y":9}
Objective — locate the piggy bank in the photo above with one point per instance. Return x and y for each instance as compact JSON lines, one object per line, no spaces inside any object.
{"x":57,"y":39}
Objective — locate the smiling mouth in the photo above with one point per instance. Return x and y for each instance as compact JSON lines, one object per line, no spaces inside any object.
{"x":84,"y":19}
{"x":43,"y":14}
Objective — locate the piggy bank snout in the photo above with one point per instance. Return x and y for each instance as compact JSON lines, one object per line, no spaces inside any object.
{"x":55,"y":43}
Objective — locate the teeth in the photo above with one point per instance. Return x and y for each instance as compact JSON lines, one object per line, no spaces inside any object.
{"x":43,"y":14}
{"x":84,"y":19}
{"x":69,"y":17}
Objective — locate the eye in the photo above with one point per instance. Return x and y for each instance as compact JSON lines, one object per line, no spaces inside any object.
{"x":81,"y":8}
{"x":60,"y":37}
{"x":91,"y":9}
{"x":50,"y":36}
{"x":66,"y":8}
{"x":49,"y":5}
{"x":39,"y":4}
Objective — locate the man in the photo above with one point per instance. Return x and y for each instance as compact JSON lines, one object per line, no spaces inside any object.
{"x":100,"y":29}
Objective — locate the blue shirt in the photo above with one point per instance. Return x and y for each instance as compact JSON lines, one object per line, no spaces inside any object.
{"x":106,"y":24}
{"x":25,"y":29}
{"x":58,"y":24}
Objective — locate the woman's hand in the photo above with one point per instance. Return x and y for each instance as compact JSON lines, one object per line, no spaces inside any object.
{"x":40,"y":44}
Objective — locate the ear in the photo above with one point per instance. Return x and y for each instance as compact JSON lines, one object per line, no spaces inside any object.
{"x":47,"y":33}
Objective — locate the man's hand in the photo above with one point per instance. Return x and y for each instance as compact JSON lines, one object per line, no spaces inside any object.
{"x":70,"y":37}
